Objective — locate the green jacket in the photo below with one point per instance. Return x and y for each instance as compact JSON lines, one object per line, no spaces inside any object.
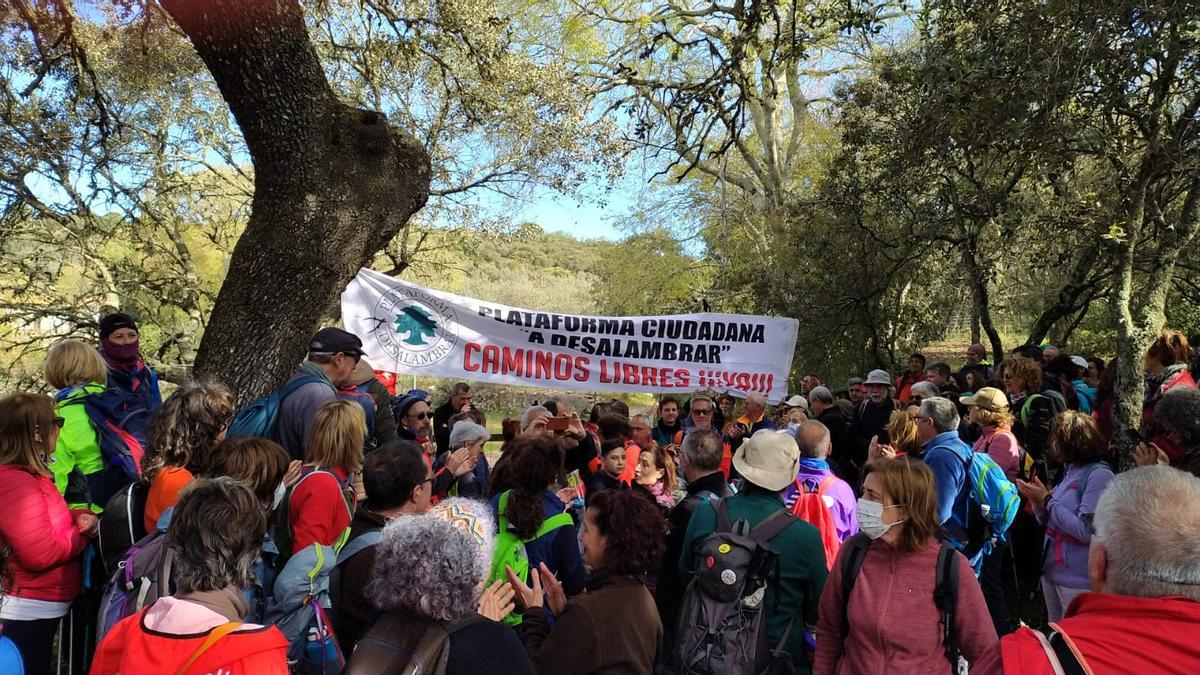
{"x":801,"y":565}
{"x":77,"y":446}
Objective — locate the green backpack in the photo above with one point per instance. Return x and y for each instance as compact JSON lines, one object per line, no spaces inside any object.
{"x":510,"y":549}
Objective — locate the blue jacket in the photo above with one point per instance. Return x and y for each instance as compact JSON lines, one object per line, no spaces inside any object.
{"x":558,"y":549}
{"x":946,"y":455}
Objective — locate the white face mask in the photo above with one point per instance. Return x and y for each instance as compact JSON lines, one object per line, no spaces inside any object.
{"x":280,"y":491}
{"x":870,"y":518}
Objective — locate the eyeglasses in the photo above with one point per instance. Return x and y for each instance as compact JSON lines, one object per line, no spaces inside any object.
{"x":59,"y":422}
{"x":420,"y":416}
{"x":702,"y":412}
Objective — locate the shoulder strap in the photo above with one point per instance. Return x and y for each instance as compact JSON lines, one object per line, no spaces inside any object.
{"x":291,"y":387}
{"x":1069,"y":658}
{"x":553,"y":523}
{"x":213,"y":637}
{"x":945,"y":597}
{"x":774,"y":524}
{"x":824,"y":484}
{"x":852,"y":560}
{"x":1025,"y":408}
{"x":358,"y":544}
{"x":723,"y":522}
{"x":1081,"y":484}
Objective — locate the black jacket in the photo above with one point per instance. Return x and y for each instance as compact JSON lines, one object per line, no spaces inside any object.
{"x":669,"y":592}
{"x":441,"y":426}
{"x":869,"y":420}
{"x":839,"y":433}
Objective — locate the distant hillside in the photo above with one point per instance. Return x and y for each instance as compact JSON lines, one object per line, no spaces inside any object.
{"x":532,"y":268}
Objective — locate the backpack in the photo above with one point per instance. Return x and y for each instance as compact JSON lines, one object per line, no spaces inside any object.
{"x":281,"y":525}
{"x":992,"y":504}
{"x":722,"y":621}
{"x":141,"y":577}
{"x":510,"y":549}
{"x":261,"y":417}
{"x":1058,"y":404}
{"x":362,"y":542}
{"x":299,"y":609}
{"x":811,"y":507}
{"x":945,"y":592}
{"x":111,"y":416}
{"x":121,"y":524}
{"x":360,"y":395}
{"x":405,"y":644}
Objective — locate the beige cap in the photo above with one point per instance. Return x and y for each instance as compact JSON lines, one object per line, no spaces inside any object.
{"x":988,"y":398}
{"x":768,"y":460}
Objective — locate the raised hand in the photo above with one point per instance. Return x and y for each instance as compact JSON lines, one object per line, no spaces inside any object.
{"x":496,"y":601}
{"x":527,"y":597}
{"x":556,"y":597}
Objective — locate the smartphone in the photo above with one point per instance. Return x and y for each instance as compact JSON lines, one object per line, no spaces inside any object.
{"x":557,"y":423}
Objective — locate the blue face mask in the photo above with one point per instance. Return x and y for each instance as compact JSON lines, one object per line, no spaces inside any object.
{"x":792,"y":428}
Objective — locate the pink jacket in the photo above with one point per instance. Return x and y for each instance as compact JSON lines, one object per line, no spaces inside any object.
{"x":894,"y":625}
{"x":46,"y":546}
{"x":1000,"y":444}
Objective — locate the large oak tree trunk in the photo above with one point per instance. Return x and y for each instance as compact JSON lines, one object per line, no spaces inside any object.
{"x":332,"y":185}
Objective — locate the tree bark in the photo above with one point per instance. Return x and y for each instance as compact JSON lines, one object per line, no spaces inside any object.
{"x":980,"y":296}
{"x":332,"y":185}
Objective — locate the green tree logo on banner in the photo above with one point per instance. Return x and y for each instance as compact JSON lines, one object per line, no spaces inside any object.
{"x":418,"y":324}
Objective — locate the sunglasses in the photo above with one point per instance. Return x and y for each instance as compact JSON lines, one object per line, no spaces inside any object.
{"x":702,"y":412}
{"x":420,"y":416}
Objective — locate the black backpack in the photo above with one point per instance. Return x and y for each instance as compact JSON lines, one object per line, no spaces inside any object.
{"x":121,"y":524}
{"x":722,"y":621}
{"x":945,"y":592}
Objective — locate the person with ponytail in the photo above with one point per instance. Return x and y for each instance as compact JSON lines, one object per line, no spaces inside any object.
{"x":537,"y":465}
{"x":120,"y":346}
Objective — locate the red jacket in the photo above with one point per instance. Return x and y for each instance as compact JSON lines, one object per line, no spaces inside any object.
{"x":317,"y":509}
{"x":1115,"y":634}
{"x":46,"y":545}
{"x":130,"y":647}
{"x":894,"y":625}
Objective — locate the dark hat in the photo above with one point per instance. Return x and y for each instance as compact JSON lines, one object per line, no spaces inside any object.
{"x":406,"y":401}
{"x":335,"y":341}
{"x":114,"y":322}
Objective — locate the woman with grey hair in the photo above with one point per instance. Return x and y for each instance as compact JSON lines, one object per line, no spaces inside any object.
{"x":429,"y":573}
{"x":215,"y":534}
{"x":466,"y":434}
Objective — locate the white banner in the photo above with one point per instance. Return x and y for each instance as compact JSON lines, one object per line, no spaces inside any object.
{"x":406,"y":328}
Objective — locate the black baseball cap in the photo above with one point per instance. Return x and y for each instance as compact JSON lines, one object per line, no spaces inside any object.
{"x":335,"y":341}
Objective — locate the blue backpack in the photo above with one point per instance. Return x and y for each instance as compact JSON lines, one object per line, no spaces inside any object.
{"x":261,"y":418}
{"x":992,"y":504}
{"x":112,"y":417}
{"x":363,"y":397}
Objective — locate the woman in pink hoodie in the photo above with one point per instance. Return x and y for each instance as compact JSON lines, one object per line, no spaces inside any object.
{"x":890,"y":623}
{"x":215,"y":535}
{"x":41,"y":538}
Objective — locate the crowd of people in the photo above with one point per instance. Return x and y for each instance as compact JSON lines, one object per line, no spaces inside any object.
{"x":339,"y":525}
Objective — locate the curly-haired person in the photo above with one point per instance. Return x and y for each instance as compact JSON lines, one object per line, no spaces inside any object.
{"x":187,"y":427}
{"x":614,"y":627}
{"x":428,"y":578}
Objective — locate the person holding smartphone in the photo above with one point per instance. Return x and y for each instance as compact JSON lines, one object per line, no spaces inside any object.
{"x":469,"y":437}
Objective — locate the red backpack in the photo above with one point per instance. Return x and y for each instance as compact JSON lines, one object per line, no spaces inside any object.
{"x":810,"y":507}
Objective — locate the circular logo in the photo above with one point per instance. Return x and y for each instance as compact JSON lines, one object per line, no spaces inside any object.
{"x":729,"y":577}
{"x":723,"y":548}
{"x":414,"y":328}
